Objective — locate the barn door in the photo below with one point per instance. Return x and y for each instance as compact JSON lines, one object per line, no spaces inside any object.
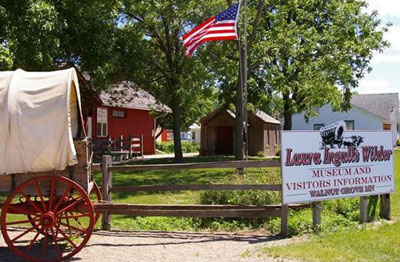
{"x":224,"y":142}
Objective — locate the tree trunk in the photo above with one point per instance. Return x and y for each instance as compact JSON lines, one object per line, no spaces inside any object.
{"x":176,"y":123}
{"x":287,"y":112}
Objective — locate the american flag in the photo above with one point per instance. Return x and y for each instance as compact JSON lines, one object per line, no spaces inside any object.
{"x":219,"y":27}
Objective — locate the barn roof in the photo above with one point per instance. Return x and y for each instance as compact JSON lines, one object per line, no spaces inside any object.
{"x":127,"y":95}
{"x":383,"y":105}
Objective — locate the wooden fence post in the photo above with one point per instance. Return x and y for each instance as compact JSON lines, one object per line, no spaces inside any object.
{"x":130,"y":146}
{"x":385,"y":206}
{"x":284,"y":220}
{"x":363,"y":209}
{"x":107,"y":184}
{"x":142,"y":145}
{"x":317,"y":216}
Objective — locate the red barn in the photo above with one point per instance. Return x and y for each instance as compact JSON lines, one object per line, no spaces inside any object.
{"x":125,"y":110}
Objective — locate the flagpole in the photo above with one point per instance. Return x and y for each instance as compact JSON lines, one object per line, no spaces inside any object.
{"x":239,"y":150}
{"x":246,"y":119}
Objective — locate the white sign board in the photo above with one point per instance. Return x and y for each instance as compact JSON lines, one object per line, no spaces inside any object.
{"x":325,"y":165}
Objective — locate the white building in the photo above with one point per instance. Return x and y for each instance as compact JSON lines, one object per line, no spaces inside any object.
{"x":196,"y":132}
{"x":368,"y":112}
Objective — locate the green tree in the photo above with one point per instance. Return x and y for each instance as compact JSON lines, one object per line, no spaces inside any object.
{"x":49,"y":34}
{"x":316,"y":51}
{"x":306,"y":52}
{"x":184,"y":84}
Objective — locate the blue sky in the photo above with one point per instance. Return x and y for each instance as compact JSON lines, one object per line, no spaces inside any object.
{"x":385,"y":76}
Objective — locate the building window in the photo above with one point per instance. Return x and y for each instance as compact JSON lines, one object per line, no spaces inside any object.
{"x":101,"y":125}
{"x":318,"y":126}
{"x":350,"y":124}
{"x":118,"y":114}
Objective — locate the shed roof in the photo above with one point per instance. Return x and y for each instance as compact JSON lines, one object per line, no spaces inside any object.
{"x":383,"y":105}
{"x":126,"y":95}
{"x":259,"y":114}
{"x":267,"y":118}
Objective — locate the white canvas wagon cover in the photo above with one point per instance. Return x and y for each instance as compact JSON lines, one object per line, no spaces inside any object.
{"x":39,"y":114}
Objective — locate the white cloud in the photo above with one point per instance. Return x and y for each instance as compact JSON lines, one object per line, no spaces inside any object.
{"x":385,"y":7}
{"x":393,"y":36}
{"x":368,"y":86}
{"x":392,"y":54}
{"x":388,"y":57}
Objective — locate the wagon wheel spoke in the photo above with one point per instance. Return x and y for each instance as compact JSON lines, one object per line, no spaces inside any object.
{"x":61,"y":199}
{"x":40,"y":195}
{"x":51,"y":194}
{"x":44,"y":244}
{"x":30,"y":202}
{"x":22,"y":221}
{"x":54,"y":236}
{"x":75,"y":216}
{"x":78,"y":222}
{"x":69,"y":228}
{"x":66,"y":237}
{"x":22,"y":234}
{"x":70,"y":206}
{"x":18,"y":210}
{"x":72,"y":227}
{"x":34,"y":240}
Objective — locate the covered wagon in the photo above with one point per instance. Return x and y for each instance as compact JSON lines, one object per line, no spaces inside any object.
{"x":45,"y":166}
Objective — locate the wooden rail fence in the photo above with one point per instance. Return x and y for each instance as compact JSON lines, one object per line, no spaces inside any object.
{"x":108,"y":208}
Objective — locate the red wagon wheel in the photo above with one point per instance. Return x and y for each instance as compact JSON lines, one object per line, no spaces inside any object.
{"x":60,"y":219}
{"x":95,"y":196}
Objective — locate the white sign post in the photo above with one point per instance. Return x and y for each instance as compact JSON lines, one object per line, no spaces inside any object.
{"x":321,"y":165}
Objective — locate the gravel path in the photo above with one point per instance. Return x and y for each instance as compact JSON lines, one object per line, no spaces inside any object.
{"x":106,"y":246}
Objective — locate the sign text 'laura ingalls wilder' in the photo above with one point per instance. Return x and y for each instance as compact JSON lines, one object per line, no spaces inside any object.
{"x":334,"y":163}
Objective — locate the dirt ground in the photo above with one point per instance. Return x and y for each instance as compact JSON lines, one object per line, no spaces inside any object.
{"x":106,"y":246}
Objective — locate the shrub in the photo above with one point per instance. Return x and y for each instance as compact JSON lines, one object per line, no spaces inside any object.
{"x":253,"y":176}
{"x":278,"y":152}
{"x":260,"y":154}
{"x":398,"y":142}
{"x":187,"y":147}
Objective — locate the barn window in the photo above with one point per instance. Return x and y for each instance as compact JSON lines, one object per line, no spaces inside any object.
{"x":101,"y":125}
{"x":118,"y":114}
{"x":318,"y":126}
{"x":350,"y":124}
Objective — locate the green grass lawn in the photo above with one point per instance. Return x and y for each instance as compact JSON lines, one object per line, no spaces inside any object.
{"x":354,"y":244}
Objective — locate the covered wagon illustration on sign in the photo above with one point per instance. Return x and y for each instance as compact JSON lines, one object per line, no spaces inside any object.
{"x":332,"y":136}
